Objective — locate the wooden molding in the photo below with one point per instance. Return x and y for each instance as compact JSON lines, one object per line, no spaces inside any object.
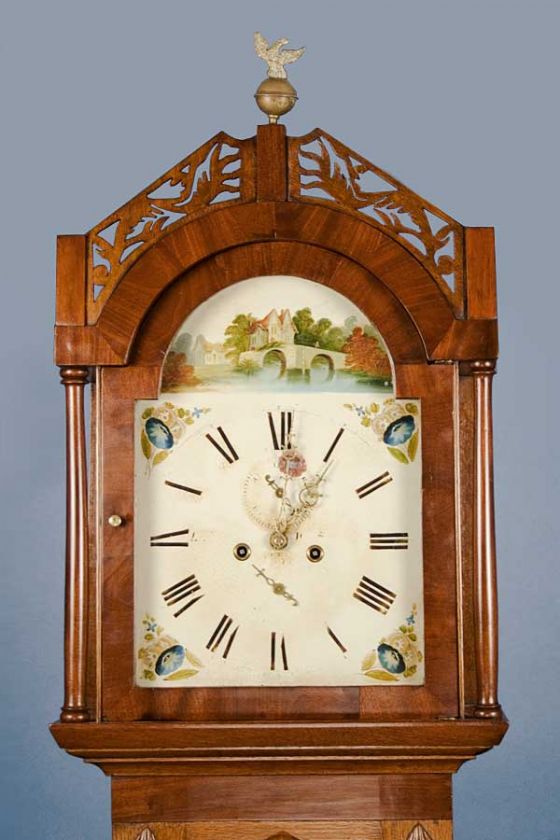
{"x":131,"y":749}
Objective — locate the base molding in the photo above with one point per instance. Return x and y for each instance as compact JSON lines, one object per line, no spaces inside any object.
{"x":338,"y":748}
{"x":282,"y":830}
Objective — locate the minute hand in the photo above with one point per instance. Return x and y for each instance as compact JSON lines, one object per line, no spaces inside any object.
{"x":309,"y":495}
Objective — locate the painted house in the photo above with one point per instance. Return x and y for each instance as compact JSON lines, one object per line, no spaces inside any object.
{"x":273,"y":328}
{"x":207,"y":353}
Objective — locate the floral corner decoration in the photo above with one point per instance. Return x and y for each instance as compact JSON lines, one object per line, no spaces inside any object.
{"x":395,"y":424}
{"x":163,"y":428}
{"x":163,"y":656}
{"x":397,"y":656}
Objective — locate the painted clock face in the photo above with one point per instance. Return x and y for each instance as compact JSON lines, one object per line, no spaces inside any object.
{"x":278,"y":535}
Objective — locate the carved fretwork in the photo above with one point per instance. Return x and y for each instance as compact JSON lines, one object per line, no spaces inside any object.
{"x":324,"y":170}
{"x":219,"y":171}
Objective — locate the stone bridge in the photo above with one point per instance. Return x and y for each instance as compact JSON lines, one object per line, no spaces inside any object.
{"x":296,"y":357}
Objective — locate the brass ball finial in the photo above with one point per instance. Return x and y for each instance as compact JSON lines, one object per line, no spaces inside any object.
{"x":276,"y":96}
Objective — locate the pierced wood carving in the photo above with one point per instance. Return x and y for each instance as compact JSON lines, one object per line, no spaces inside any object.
{"x":218,"y":171}
{"x":324,"y":170}
{"x":419,"y":833}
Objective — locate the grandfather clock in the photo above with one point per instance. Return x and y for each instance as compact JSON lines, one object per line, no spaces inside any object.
{"x":281,"y":615}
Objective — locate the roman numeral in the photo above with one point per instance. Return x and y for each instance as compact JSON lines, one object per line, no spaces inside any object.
{"x":227,"y":450}
{"x":395,"y":540}
{"x":374,"y":484}
{"x":278,"y":655}
{"x":184,"y":487}
{"x":330,"y":450}
{"x":336,"y":640}
{"x":374,"y":595}
{"x":182,"y":591}
{"x":223,"y":634}
{"x":165,"y":539}
{"x":281,"y":435}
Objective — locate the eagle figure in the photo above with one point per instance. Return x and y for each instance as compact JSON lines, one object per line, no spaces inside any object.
{"x":275,"y":55}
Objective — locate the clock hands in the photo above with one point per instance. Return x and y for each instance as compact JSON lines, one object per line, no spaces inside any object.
{"x":308,"y":498}
{"x":309,"y":495}
{"x":278,"y":491}
{"x":296,"y":491}
{"x":277,"y":587}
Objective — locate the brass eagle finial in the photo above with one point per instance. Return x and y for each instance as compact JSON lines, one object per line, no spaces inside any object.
{"x":275,"y":55}
{"x":276,"y":96}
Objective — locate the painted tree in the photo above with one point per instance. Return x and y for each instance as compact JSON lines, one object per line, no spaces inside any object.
{"x":303,"y":322}
{"x":319,"y":333}
{"x":334,"y":339}
{"x":177,"y":374}
{"x":364,"y":354}
{"x":238,"y":336}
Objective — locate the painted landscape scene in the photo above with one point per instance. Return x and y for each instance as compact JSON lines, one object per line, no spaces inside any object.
{"x":277,"y":348}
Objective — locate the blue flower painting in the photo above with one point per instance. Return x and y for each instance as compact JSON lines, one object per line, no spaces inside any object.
{"x":170,"y":660}
{"x":158,"y":433}
{"x":391,"y":659}
{"x":399,"y":431}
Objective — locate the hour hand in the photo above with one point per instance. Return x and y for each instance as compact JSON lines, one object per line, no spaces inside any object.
{"x":278,"y":491}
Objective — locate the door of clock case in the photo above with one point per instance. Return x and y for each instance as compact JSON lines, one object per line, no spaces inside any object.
{"x":434,"y":386}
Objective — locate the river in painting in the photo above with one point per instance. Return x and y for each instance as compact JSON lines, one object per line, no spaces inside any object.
{"x":270,"y":377}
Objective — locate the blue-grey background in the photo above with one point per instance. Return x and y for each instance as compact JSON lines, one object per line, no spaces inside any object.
{"x":460,"y":101}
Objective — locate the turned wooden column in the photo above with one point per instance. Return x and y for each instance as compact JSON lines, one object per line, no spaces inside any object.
{"x":75,"y":709}
{"x":486,"y":599}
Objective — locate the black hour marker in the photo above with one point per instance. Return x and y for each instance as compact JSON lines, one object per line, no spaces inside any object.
{"x":336,"y":640}
{"x":181,"y":591}
{"x":332,"y":446}
{"x":229,"y":452}
{"x":394,"y":540}
{"x":374,"y":484}
{"x":281,"y":437}
{"x":273,"y":653}
{"x":224,"y":633}
{"x":184,"y":487}
{"x":165,"y":539}
{"x":374,"y":595}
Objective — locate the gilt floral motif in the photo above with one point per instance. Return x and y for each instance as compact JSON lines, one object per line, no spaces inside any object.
{"x":163,"y":656}
{"x":397,"y":655}
{"x":163,"y":429}
{"x":394,"y":423}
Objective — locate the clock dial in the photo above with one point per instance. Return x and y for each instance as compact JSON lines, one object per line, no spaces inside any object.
{"x":278,"y":509}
